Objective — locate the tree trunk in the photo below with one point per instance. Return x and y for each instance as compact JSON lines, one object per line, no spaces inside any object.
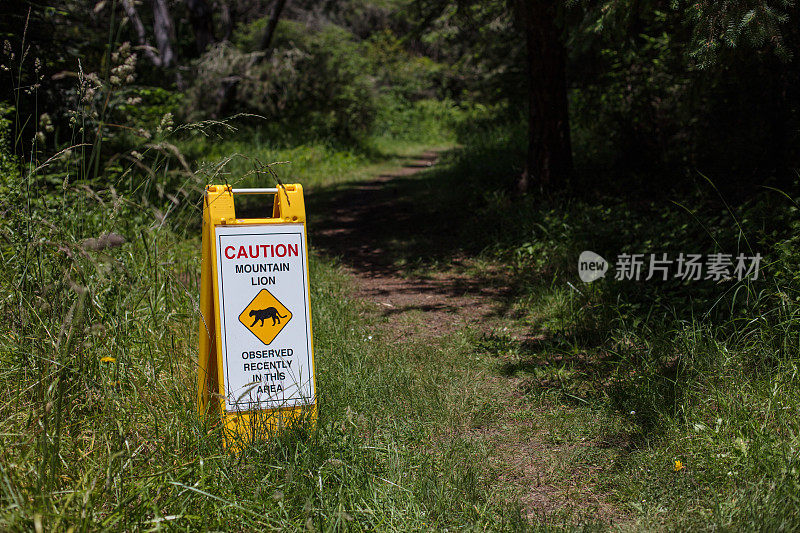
{"x":162,"y":27}
{"x":266,"y":39}
{"x":226,"y":20}
{"x":141,"y":35}
{"x":202,"y":24}
{"x":230,"y":86}
{"x":549,"y":160}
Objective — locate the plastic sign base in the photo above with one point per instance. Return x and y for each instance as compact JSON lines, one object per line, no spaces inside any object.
{"x":256,"y":357}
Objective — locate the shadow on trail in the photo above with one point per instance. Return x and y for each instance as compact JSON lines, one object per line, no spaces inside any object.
{"x":395,"y":221}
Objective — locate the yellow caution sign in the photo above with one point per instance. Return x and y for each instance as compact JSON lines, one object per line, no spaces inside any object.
{"x":265,"y":316}
{"x":256,"y":358}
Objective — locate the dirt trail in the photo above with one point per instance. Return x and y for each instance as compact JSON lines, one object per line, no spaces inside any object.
{"x":362,"y":225}
{"x":353,"y":231}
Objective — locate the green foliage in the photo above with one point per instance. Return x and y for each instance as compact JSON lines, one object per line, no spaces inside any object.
{"x":145,"y":107}
{"x":322,"y":79}
{"x":10,"y":182}
{"x":482,"y":46}
{"x":723,"y":26}
{"x":314,"y":77}
{"x":635,"y":110}
{"x":9,"y":166}
{"x":402,"y":77}
{"x":431,"y":121}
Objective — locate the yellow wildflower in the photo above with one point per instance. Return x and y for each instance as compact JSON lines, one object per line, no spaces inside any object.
{"x":678,"y":466}
{"x":108,"y":359}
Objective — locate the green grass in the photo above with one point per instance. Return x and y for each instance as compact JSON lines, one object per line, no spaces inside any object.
{"x":118,"y":446}
{"x":240,"y":158}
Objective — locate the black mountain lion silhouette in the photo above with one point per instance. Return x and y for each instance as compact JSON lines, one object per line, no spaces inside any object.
{"x":263,"y":314}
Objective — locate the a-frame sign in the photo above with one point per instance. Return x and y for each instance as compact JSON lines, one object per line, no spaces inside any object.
{"x":256,"y":358}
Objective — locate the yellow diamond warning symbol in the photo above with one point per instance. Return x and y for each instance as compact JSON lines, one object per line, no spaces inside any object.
{"x":265,"y":316}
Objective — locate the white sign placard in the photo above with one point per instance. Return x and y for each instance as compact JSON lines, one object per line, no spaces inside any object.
{"x":264,"y":316}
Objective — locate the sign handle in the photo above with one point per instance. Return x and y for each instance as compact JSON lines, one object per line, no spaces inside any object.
{"x":271,"y":190}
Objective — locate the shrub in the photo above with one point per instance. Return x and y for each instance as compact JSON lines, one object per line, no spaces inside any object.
{"x":311,"y":79}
